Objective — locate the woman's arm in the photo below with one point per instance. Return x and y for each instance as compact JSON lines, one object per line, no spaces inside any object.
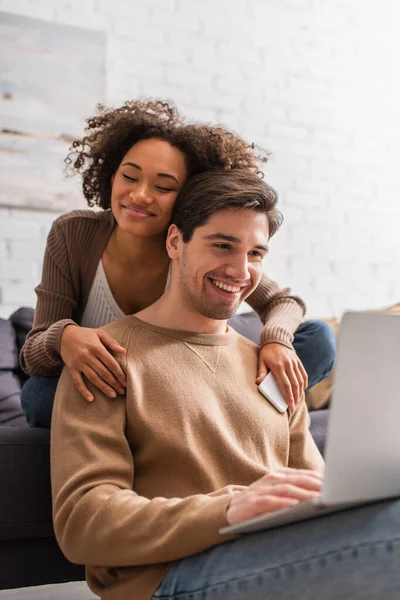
{"x":280,"y":312}
{"x":56,"y":302}
{"x":83,"y":350}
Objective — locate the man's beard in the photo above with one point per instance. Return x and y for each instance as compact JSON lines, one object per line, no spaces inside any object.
{"x":201,"y":301}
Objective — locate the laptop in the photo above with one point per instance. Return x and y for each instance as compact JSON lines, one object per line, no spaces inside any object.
{"x":363,"y":439}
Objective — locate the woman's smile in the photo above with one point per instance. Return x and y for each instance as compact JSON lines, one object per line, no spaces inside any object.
{"x":138,"y":212}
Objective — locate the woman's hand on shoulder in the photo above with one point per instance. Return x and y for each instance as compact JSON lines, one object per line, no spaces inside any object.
{"x":86,"y":352}
{"x":288,"y":370}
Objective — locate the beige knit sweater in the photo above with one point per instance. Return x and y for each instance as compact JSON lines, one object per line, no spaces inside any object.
{"x":75,"y":245}
{"x":145,"y":479}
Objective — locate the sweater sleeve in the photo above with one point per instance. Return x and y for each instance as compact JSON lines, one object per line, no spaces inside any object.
{"x":98,"y":518}
{"x":303,"y":451}
{"x":56,"y":301}
{"x":281,"y":312}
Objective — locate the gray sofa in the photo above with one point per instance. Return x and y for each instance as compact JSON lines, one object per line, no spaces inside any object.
{"x":29,"y":554}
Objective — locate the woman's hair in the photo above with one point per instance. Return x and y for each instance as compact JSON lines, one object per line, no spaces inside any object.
{"x":112,"y":132}
{"x":212,"y":191}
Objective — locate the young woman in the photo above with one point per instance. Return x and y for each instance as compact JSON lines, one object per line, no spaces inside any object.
{"x":101,"y":265}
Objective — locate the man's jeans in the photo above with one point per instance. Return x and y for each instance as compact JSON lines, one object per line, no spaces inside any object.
{"x":352,"y":555}
{"x":314,"y":342}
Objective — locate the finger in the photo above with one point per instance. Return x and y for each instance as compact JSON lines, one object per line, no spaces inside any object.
{"x":285,"y":386}
{"x":103,"y":355}
{"x":300,"y":379}
{"x":309,"y":478}
{"x":303,"y":373}
{"x":262,"y":371}
{"x":246,"y":506}
{"x":290,"y":490}
{"x":270,"y":502}
{"x":108,"y":341}
{"x":106,"y":375}
{"x":303,"y":480}
{"x":300,"y":383}
{"x":291,"y":375}
{"x":285,"y":470}
{"x":99,"y":383}
{"x":81,"y":387}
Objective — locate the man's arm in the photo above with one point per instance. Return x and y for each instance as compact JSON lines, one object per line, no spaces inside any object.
{"x":98,"y":519}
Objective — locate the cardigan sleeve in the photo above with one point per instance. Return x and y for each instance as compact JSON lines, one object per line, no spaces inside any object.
{"x":56,"y":302}
{"x":280,"y":312}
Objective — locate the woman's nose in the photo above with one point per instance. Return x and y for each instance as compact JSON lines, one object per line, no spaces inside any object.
{"x":141,"y":194}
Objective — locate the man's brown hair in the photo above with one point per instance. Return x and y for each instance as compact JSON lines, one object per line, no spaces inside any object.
{"x":211,"y":191}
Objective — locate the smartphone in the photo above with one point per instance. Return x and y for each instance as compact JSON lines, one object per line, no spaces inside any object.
{"x":269,"y":388}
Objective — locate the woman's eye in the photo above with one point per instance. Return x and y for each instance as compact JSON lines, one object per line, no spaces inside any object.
{"x":129,"y":178}
{"x":163,"y":189}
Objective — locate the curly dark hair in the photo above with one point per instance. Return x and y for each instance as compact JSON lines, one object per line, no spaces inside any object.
{"x":112,"y":132}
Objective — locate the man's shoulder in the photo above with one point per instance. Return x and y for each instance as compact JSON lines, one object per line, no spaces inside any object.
{"x":122,"y":329}
{"x":244,"y":343}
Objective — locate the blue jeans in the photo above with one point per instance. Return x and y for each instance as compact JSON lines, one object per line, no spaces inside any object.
{"x":315,"y":345}
{"x":314,"y":342}
{"x":352,"y":555}
{"x":37,"y":399}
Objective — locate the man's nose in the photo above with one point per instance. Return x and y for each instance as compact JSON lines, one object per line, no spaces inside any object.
{"x":141,"y":194}
{"x":238,"y":268}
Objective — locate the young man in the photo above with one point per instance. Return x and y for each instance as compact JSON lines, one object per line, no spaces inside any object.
{"x":142,"y":484}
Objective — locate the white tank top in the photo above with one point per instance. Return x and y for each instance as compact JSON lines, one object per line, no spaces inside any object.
{"x":101,"y":307}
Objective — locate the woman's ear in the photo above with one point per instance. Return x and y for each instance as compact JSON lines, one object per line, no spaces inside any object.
{"x":173,"y":242}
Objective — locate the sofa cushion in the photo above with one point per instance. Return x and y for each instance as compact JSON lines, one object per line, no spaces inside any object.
{"x":10,"y":405}
{"x":10,"y":385}
{"x":8,"y":346}
{"x":247,"y":324}
{"x":22,"y":321}
{"x":25,"y":503}
{"x":318,"y":427}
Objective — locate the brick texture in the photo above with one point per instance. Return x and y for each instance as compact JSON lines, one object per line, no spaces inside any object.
{"x":314,"y":81}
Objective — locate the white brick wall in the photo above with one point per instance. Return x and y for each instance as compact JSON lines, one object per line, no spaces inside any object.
{"x":314,"y":81}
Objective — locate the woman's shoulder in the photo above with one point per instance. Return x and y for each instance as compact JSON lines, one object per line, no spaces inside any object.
{"x":80,"y":228}
{"x":88,"y":218}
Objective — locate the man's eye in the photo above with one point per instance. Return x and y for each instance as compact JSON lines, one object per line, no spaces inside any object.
{"x":257,"y":254}
{"x":129,"y":178}
{"x":223,"y":246}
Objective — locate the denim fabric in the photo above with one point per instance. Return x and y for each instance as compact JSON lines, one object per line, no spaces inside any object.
{"x":37,"y":399}
{"x":315,"y":345}
{"x":351,"y":555}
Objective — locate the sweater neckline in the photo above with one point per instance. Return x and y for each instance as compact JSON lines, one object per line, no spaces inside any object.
{"x":190,"y":337}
